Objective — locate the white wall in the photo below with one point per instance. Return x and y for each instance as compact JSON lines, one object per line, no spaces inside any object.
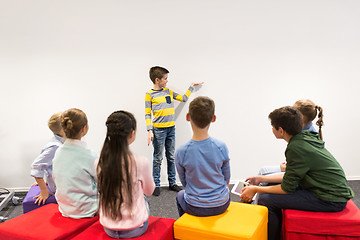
{"x":254,"y":56}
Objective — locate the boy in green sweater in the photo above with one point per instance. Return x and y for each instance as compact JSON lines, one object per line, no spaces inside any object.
{"x":313,"y":179}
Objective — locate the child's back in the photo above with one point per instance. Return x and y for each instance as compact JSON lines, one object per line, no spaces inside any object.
{"x":42,"y":167}
{"x":204,"y":168}
{"x":203,"y":165}
{"x":123,"y":180}
{"x":74,"y":171}
{"x":137,"y":214}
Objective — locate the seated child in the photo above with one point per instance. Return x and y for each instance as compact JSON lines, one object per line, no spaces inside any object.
{"x":74,"y":172}
{"x":309,"y":111}
{"x":123,"y":179}
{"x":42,"y":165}
{"x":203,"y":165}
{"x":313,"y":179}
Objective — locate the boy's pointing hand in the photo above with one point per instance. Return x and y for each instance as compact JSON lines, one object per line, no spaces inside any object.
{"x":197,"y":83}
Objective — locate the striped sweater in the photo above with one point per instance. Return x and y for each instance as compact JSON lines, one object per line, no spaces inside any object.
{"x":161,"y":104}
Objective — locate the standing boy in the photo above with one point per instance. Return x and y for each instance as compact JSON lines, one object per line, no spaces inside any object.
{"x":161,"y":130}
{"x":313,"y":179}
{"x":203,"y":165}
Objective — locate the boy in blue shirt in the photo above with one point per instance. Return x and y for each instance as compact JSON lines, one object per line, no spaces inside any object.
{"x":203,"y":165}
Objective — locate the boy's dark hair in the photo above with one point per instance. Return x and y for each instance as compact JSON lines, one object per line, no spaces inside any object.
{"x":201,"y":111}
{"x":157,"y":72}
{"x":288,"y":118}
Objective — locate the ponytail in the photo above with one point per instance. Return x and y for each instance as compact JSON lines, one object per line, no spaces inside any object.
{"x":320,"y":121}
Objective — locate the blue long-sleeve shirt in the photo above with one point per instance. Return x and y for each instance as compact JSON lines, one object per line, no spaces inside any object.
{"x":204,"y":170}
{"x":42,"y":165}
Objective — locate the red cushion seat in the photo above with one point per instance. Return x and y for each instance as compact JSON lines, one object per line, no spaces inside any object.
{"x":322,"y":225}
{"x":158,"y":229}
{"x":43,"y":223}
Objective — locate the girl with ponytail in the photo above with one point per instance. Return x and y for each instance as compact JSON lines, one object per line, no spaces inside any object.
{"x":73,"y":169}
{"x":309,"y":111}
{"x":123,"y":179}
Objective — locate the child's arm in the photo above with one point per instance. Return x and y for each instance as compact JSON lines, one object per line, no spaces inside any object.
{"x":44,"y":191}
{"x":42,"y":163}
{"x":256,"y":180}
{"x":283,"y":166}
{"x":196,"y":83}
{"x":148,"y":183}
{"x":92,"y":167}
{"x":225,"y":168}
{"x":226,"y":171}
{"x":180,"y":169}
{"x":148,"y":109}
{"x":150,"y":137}
{"x":249,"y":191}
{"x":185,"y":97}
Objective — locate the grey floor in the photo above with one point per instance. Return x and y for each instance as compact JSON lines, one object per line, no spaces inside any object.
{"x":162,"y":206}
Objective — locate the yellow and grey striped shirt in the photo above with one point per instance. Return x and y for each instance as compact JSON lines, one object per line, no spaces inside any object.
{"x":161,"y":104}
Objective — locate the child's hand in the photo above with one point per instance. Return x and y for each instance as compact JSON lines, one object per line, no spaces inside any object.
{"x":35,"y":183}
{"x":248,"y":193}
{"x":197,"y":83}
{"x":150,"y":137}
{"x":41,"y":198}
{"x":253,"y":180}
{"x":283,"y":166}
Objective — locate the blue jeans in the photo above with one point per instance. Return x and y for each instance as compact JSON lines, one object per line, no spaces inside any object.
{"x":184,"y":207}
{"x":270,"y":170}
{"x":164,"y":137}
{"x":300,"y":200}
{"x":124,"y":234}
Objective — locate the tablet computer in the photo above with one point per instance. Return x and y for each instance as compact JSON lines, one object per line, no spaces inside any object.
{"x":238,"y":186}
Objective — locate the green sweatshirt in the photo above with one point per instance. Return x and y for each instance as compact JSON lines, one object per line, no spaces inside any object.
{"x":310,"y":166}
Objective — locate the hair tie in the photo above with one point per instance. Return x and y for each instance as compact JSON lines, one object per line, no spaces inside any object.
{"x":68,"y":123}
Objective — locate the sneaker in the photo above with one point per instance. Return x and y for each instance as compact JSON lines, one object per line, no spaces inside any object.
{"x":175,"y":188}
{"x":156,"y":191}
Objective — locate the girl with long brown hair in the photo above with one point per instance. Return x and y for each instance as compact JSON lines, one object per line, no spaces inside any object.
{"x":123,"y":179}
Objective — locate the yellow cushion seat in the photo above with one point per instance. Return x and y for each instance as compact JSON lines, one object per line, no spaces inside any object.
{"x":240,"y":221}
